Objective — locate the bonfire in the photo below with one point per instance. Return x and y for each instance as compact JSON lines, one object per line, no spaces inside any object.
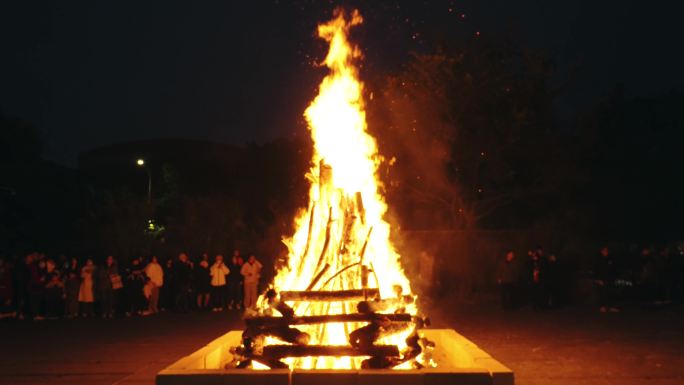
{"x":343,"y":301}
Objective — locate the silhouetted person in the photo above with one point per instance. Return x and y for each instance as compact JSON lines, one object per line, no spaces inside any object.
{"x":183,"y":275}
{"x":235,"y":281}
{"x":6,"y":289}
{"x":507,"y":277}
{"x":20,"y":279}
{"x":117,"y":281}
{"x":134,"y":288}
{"x":54,"y":287}
{"x":679,"y":271}
{"x":666,"y":276}
{"x":37,"y":286}
{"x":167,"y":293}
{"x":605,"y":271}
{"x":535,"y":278}
{"x":202,"y":281}
{"x":72,"y":284}
{"x":647,"y":275}
{"x":553,"y":282}
{"x":105,"y":286}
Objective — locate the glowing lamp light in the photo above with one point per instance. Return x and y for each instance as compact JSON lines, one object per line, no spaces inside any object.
{"x":140,"y":162}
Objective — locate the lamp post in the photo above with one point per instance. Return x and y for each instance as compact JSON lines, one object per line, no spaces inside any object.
{"x":141,"y":163}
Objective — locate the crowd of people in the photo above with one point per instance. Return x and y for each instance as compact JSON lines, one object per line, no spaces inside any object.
{"x":39,"y":287}
{"x":539,"y":280}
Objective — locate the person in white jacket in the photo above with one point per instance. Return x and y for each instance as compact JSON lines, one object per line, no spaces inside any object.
{"x":155,"y":273}
{"x":218,"y":272}
{"x":252,"y":272}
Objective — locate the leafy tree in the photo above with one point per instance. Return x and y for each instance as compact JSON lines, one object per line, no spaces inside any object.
{"x":470,"y":137}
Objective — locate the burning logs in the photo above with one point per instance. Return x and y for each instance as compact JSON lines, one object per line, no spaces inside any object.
{"x":318,"y":276}
{"x":329,"y":296}
{"x":367,"y":335}
{"x":362,"y":341}
{"x":281,"y":332}
{"x":308,"y":237}
{"x":271,"y":355}
{"x":281,"y":351}
{"x":262,"y":322}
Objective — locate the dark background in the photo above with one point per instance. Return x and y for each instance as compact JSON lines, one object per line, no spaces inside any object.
{"x":93,"y":73}
{"x":511,"y":122}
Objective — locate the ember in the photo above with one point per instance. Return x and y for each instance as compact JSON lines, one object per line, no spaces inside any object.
{"x":344,"y":299}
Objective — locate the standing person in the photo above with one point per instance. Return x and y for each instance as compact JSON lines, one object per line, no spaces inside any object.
{"x":235,"y":281}
{"x":72,"y":284}
{"x":20,"y":282}
{"x":646,"y":275}
{"x":156,"y":280}
{"x":37,"y":286}
{"x":554,"y":282}
{"x":6,"y":290}
{"x":252,"y":272}
{"x":183,"y":275}
{"x":86,"y":295}
{"x":109,"y":283}
{"x":117,"y":284}
{"x":507,"y":278}
{"x":167,"y":293}
{"x":218,"y":273}
{"x":53,"y":290}
{"x":202,"y":280}
{"x":605,"y":272}
{"x":667,"y":277}
{"x":535,"y":278}
{"x":135,"y":282}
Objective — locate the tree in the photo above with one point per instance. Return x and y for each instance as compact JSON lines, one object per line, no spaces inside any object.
{"x":470,"y":135}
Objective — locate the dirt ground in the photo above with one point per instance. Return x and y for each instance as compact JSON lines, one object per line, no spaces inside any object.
{"x":575,"y":345}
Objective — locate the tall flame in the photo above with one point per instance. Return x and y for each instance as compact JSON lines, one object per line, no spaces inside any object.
{"x":344,"y":223}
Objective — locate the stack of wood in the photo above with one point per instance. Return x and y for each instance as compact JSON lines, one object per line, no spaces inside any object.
{"x":336,"y":262}
{"x":362,"y":341}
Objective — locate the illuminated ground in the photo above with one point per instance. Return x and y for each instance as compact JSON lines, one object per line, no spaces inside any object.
{"x":569,"y":346}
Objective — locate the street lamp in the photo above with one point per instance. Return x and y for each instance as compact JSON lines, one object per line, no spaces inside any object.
{"x":141,"y":163}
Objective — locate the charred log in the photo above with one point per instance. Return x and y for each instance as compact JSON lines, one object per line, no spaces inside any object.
{"x":382,"y":305}
{"x":318,"y":277}
{"x":359,"y":207}
{"x":279,"y":305}
{"x":380,"y":362}
{"x":308,"y":236}
{"x":365,"y":244}
{"x":326,"y":243}
{"x":368,"y":335}
{"x":281,"y":351}
{"x":281,"y":332}
{"x":349,"y":221}
{"x":271,"y":363}
{"x":328,"y":296}
{"x":263,"y":322}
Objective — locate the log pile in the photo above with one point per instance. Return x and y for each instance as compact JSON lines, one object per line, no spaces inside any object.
{"x":336,"y":269}
{"x":362,"y":341}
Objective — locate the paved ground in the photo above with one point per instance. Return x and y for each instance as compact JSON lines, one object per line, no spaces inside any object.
{"x":579,"y":345}
{"x":569,"y":346}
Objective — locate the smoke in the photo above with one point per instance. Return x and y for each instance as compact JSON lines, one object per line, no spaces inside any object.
{"x":409,"y":116}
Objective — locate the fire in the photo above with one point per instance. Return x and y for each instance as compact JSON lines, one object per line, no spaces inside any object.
{"x":341,"y":241}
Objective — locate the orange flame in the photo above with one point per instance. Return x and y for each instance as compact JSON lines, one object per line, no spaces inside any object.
{"x":344,"y":223}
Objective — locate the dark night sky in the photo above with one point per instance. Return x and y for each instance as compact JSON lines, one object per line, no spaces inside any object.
{"x":90,"y":73}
